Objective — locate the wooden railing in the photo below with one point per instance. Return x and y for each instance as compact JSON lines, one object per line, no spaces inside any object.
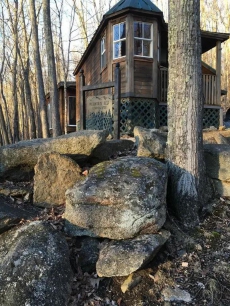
{"x":209,"y":87}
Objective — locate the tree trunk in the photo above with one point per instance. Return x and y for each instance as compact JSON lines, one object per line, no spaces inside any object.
{"x":56,"y":126}
{"x":185,"y":107}
{"x":41,"y":90}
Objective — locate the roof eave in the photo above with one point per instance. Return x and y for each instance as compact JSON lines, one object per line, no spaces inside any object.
{"x":104,"y":22}
{"x":87,"y":50}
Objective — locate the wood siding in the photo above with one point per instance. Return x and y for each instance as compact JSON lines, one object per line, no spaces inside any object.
{"x":143,"y":81}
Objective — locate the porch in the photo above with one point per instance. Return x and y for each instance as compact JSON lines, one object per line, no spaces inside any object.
{"x":213,"y":113}
{"x":209,"y":88}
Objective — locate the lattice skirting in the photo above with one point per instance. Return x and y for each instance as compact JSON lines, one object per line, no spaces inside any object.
{"x":137,"y":112}
{"x":211,"y":116}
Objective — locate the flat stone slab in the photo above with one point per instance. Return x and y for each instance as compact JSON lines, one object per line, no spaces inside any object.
{"x":120,"y":258}
{"x":17,"y":161}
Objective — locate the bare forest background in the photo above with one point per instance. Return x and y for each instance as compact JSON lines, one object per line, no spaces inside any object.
{"x":41,"y":42}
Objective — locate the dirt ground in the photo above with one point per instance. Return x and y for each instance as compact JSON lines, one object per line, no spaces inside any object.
{"x":197,"y":262}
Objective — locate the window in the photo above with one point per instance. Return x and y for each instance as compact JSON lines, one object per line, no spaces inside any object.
{"x":119,"y":40}
{"x":143,"y":39}
{"x":103,"y":50}
{"x":72,"y":111}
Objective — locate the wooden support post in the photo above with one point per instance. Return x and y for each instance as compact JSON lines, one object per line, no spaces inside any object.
{"x":117,"y":102}
{"x":82,"y":101}
{"x":218,"y":73}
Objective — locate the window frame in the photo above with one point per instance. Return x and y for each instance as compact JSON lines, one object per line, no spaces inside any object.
{"x":142,"y":39}
{"x":103,"y":52}
{"x":68,"y":118}
{"x":120,"y":40}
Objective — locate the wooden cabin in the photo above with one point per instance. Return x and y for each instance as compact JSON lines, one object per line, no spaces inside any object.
{"x":67,"y":107}
{"x":134,"y":34}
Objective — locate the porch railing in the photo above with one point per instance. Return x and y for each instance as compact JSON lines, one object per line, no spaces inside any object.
{"x":209,"y":87}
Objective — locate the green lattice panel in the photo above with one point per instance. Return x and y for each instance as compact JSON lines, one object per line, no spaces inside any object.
{"x":163,"y":115}
{"x":137,"y":112}
{"x":211,"y":117}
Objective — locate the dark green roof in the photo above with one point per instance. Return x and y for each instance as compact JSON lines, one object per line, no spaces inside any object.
{"x":145,"y":5}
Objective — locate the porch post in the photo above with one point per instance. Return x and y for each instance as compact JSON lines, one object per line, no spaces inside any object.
{"x":218,"y":72}
{"x":82,"y":101}
{"x":117,"y":102}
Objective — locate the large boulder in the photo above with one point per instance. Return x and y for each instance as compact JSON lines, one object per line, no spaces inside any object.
{"x":151,"y":142}
{"x":120,"y":199}
{"x":217,"y":159}
{"x":34,"y":267}
{"x":54,"y":174}
{"x":120,"y":258}
{"x":17,"y":161}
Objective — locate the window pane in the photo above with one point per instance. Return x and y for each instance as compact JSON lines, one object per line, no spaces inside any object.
{"x":137,"y":29}
{"x":72,"y":111}
{"x":137,"y":47}
{"x":147,"y":31}
{"x":122,"y":30}
{"x":123,"y":48}
{"x":116,"y":49}
{"x":103,"y":60}
{"x":116,"y":32}
{"x":146,"y":48}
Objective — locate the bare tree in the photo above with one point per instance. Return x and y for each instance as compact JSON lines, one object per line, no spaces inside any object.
{"x":185,"y":107}
{"x":56,"y":126}
{"x":41,"y":90}
{"x":13,"y":17}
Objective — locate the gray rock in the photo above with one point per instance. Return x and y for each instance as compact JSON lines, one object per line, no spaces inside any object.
{"x":17,"y":161}
{"x":54,"y":174}
{"x":22,"y":192}
{"x":217,"y":159}
{"x":10,"y":215}
{"x":34,"y":267}
{"x":120,"y":258}
{"x":120,"y":199}
{"x":176,"y":295}
{"x":77,"y":231}
{"x":88,"y":254}
{"x":151,"y":142}
{"x":112,"y":148}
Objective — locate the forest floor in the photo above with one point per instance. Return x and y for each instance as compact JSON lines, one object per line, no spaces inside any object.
{"x":197,"y":262}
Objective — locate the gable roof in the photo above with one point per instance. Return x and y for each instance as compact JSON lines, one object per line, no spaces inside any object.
{"x":145,"y":5}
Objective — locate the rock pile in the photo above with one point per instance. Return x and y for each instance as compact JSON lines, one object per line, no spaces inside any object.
{"x":123,"y":200}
